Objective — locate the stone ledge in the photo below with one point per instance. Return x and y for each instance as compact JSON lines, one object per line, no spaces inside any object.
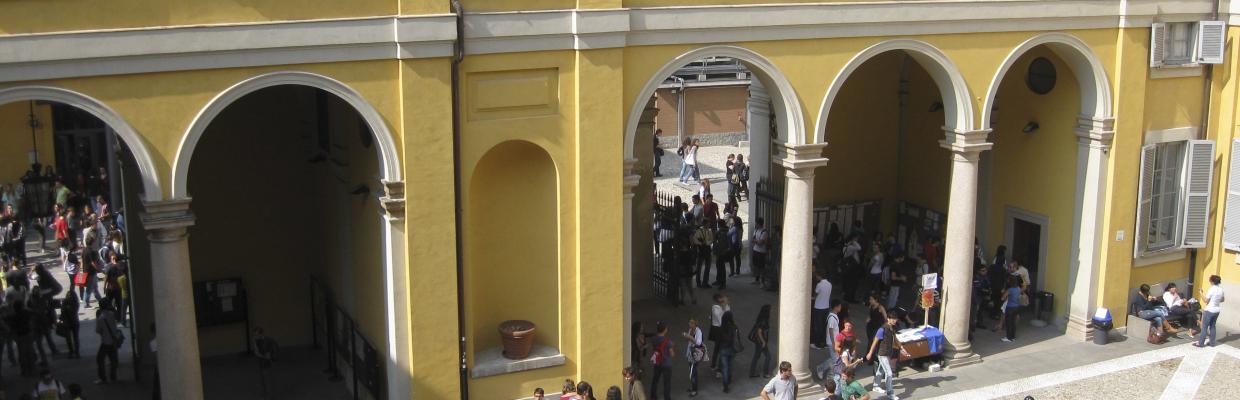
{"x":491,"y":362}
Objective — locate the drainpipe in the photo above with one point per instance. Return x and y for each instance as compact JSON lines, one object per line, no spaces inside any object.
{"x":458,"y":55}
{"x":1206,"y":84}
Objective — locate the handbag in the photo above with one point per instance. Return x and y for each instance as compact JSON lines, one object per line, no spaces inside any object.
{"x":1024,"y":300}
{"x":699,"y":354}
{"x":1156,"y":336}
{"x":738,"y":345}
{"x":79,"y":280}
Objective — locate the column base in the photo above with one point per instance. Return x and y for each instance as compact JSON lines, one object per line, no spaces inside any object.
{"x":955,"y":359}
{"x":804,"y":380}
{"x":1079,"y":328}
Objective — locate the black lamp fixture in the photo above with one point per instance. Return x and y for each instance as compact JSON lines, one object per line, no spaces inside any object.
{"x":936,"y":106}
{"x":1030,"y":127}
{"x":361,"y":189}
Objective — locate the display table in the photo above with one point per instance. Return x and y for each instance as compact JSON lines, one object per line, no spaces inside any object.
{"x":920,"y":342}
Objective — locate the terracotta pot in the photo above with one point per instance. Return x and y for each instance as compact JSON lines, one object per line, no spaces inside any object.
{"x":518,"y":338}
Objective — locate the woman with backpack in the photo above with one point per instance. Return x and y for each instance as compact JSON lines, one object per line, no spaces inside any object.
{"x":760,"y":335}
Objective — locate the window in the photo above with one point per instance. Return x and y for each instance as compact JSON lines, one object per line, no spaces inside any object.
{"x":1164,"y":205}
{"x":1179,"y":43}
{"x":1187,"y":43}
{"x":1174,"y":195}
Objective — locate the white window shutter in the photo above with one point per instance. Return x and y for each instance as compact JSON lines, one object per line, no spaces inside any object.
{"x":1231,"y":220}
{"x":1158,"y":44}
{"x":1145,"y":196}
{"x":1199,"y":171}
{"x":1211,"y":38}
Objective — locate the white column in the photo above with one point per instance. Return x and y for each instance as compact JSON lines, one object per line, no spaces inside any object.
{"x":966,"y":147}
{"x":1094,"y":142}
{"x":180,"y":371}
{"x":396,"y":291}
{"x":631,"y":179}
{"x":795,"y":274}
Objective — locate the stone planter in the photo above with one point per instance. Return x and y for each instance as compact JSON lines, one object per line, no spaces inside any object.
{"x":518,"y":338}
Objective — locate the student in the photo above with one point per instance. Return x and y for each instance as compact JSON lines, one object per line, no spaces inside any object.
{"x":661,"y":362}
{"x":695,"y":351}
{"x":852,"y":389}
{"x":818,"y":314}
{"x":585,"y":391}
{"x":885,"y":346}
{"x":633,"y":389}
{"x":1011,"y":307}
{"x":759,"y":334}
{"x":48,"y":388}
{"x":538,"y":394}
{"x":569,"y":391}
{"x":1214,"y":300}
{"x":781,"y":387}
{"x":727,"y":342}
{"x":847,"y":360}
{"x":830,"y":389}
{"x":613,"y":393}
{"x":826,"y":369}
{"x":716,"y":320}
{"x":111,"y":339}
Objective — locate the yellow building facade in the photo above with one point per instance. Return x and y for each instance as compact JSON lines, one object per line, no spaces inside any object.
{"x":502,"y":149}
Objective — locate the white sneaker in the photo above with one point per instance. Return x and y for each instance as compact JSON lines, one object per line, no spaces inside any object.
{"x":1006,"y":340}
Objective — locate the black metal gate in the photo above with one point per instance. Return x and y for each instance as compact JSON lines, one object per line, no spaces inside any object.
{"x":666,"y":235}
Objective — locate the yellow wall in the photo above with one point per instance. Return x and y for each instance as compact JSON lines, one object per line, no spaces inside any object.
{"x":15,"y":133}
{"x":1036,"y":172}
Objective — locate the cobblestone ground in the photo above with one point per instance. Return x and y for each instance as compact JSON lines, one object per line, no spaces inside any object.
{"x":711,"y":167}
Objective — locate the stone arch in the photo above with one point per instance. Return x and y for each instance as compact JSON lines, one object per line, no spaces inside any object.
{"x":386,"y":143}
{"x":787,"y":105}
{"x":958,"y":109}
{"x":1095,"y":86}
{"x":152,"y":188}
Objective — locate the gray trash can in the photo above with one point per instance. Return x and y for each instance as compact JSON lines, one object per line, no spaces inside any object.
{"x":1102,"y":329}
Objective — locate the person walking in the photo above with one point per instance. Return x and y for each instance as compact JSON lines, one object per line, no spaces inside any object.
{"x":729,"y":342}
{"x":691,"y":156}
{"x":1011,"y":307}
{"x":703,"y":238}
{"x":742,"y":173}
{"x":1214,"y":306}
{"x":110,"y":339}
{"x":760,"y":335}
{"x":717,"y":310}
{"x":827,"y":369}
{"x":69,"y":323}
{"x":782,"y":387}
{"x":661,"y":362}
{"x":885,"y":346}
{"x":265,"y":350}
{"x":847,"y":360}
{"x":688,"y":154}
{"x":695,"y":351}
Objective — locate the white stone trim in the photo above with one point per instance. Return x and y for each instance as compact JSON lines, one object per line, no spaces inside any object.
{"x":152,"y":189}
{"x":384,"y":140}
{"x":178,"y":48}
{"x":1176,"y":71}
{"x":1085,"y":65}
{"x":1170,"y":135}
{"x":957,"y":103}
{"x":1158,"y":257}
{"x":787,"y":105}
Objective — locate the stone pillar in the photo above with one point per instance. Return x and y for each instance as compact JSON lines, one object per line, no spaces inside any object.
{"x":396,"y":291}
{"x":758,"y":123}
{"x":795,"y":272}
{"x":1094,"y":142}
{"x":631,"y":179}
{"x":180,"y":371}
{"x":966,"y":147}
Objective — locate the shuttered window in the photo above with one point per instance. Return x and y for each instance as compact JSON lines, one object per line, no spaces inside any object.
{"x":1179,"y":43}
{"x":1211,"y":39}
{"x":1174,"y":195}
{"x":1187,"y":43}
{"x":1231,"y":220}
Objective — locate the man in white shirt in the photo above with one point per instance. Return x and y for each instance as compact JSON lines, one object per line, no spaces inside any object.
{"x":822,"y":306}
{"x":782,"y":386}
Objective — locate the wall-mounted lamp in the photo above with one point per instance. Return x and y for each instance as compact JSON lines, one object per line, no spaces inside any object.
{"x":361,"y":189}
{"x":1030,"y":127}
{"x":936,"y":106}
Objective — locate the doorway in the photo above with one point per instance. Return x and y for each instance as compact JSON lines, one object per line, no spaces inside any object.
{"x":1026,"y":235}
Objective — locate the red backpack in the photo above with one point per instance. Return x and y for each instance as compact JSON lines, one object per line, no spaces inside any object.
{"x":660,"y":351}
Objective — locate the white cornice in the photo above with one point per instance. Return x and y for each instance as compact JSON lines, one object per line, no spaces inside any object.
{"x":90,"y":53}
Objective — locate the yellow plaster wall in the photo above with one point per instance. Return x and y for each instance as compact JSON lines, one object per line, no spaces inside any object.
{"x":1036,"y":172}
{"x":33,"y":16}
{"x":925,"y":166}
{"x":430,"y":217}
{"x":15,"y":133}
{"x":161,"y":106}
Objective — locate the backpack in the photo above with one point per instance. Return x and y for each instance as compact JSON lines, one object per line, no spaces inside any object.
{"x":1156,"y":335}
{"x":659,"y":356}
{"x":743,"y":172}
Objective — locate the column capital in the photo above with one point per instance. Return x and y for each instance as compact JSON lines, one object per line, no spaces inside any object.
{"x":167,"y":220}
{"x":966,"y":143}
{"x":631,"y":178}
{"x":801,"y":159}
{"x":1095,"y":131}
{"x":393,"y":200}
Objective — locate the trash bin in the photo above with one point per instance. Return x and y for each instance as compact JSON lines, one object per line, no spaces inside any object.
{"x":1102,"y":325}
{"x":1048,"y":302}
